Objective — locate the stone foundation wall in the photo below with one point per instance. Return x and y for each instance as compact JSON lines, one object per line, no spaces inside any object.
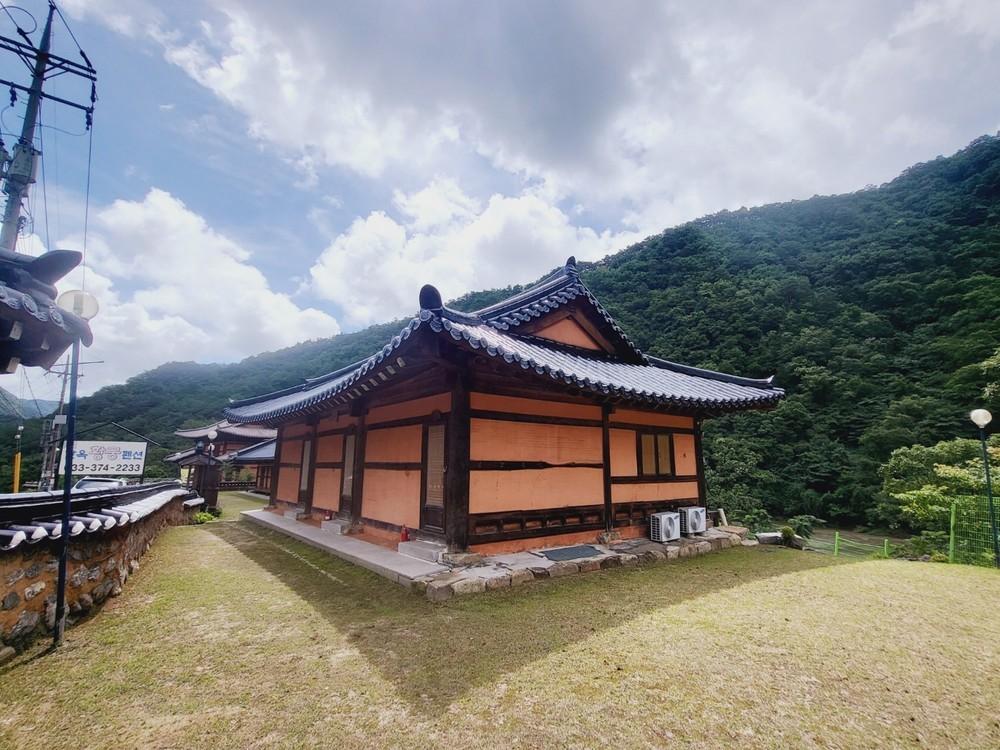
{"x":97,"y":568}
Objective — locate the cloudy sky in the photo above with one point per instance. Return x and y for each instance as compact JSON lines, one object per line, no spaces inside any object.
{"x":266,"y":173}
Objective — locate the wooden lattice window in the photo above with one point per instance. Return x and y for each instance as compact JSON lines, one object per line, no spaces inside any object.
{"x":655,"y":452}
{"x":434,"y":488}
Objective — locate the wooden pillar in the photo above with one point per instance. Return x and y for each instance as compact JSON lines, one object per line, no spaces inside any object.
{"x":307,"y":503}
{"x":700,"y":462}
{"x":359,"y":410}
{"x":609,"y":509}
{"x":276,"y":467}
{"x":456,"y":481}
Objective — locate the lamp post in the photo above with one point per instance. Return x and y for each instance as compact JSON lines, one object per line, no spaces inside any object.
{"x":85,"y":306}
{"x":981,"y":418}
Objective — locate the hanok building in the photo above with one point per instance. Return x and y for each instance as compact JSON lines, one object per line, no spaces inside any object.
{"x":225,"y":437}
{"x":259,"y":458}
{"x":532,"y":422}
{"x":220,"y":443}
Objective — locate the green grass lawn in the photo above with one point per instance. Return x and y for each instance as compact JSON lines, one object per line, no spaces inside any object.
{"x":233,"y":636}
{"x":233,"y":503}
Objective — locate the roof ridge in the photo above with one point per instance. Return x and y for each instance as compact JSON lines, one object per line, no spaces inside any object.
{"x":701,"y":372}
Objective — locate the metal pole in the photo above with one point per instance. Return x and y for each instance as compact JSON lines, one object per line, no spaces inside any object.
{"x":60,"y":624}
{"x":885,"y":547}
{"x":951,"y":533}
{"x":17,"y":463}
{"x":17,"y":182}
{"x":989,"y":497}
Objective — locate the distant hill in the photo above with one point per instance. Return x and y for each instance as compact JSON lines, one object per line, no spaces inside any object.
{"x":872,"y":309}
{"x":13,"y":407}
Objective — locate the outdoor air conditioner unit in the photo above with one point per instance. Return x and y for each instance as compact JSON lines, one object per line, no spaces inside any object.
{"x":693,"y":520}
{"x":664,"y":527}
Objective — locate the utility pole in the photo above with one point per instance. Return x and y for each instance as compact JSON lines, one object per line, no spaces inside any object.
{"x":24,"y":162}
{"x":52,"y":431}
{"x":22,"y":166}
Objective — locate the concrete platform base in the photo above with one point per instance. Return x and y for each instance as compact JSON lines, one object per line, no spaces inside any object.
{"x":422,"y":550}
{"x":394,"y":566}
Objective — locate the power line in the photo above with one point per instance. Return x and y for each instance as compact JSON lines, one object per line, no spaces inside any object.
{"x":45,"y":195}
{"x":86,"y":207}
{"x":38,"y":409}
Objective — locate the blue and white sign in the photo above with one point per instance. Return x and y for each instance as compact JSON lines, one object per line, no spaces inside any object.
{"x":106,"y":457}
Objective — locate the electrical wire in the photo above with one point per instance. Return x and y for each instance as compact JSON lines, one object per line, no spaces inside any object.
{"x":86,"y":208}
{"x":73,"y":37}
{"x":45,"y":194}
{"x":38,"y":409}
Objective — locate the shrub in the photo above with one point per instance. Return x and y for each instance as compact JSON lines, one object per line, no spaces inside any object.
{"x":803,"y":525}
{"x":787,"y":534}
{"x":755,"y":519}
{"x":926,"y":543}
{"x":202,"y":517}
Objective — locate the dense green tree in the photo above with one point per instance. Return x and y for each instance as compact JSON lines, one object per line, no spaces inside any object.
{"x":875,"y":310}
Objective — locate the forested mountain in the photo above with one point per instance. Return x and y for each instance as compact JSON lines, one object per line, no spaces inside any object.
{"x":29,"y":408}
{"x":873,"y":309}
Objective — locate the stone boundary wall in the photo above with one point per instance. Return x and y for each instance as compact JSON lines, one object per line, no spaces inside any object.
{"x":98,"y":566}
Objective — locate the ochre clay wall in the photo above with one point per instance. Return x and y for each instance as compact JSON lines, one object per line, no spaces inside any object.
{"x":496,"y":488}
{"x":647,"y":491}
{"x":623,"y":457}
{"x":288,"y":484}
{"x":418,"y":407}
{"x":685,"y":459}
{"x":291,"y":451}
{"x":632,"y":416}
{"x":568,"y":331}
{"x":532,"y":406}
{"x":392,"y":496}
{"x":394,"y":445}
{"x":330,"y":449}
{"x":534,"y":489}
{"x":326,"y":489}
{"x":496,"y":440}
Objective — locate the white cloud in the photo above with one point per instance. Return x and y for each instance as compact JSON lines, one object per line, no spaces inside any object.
{"x":375,"y":268}
{"x":172,"y":288}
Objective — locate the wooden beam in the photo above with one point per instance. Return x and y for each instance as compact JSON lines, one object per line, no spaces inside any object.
{"x":358,"y":488}
{"x":456,"y":482}
{"x":522,"y":465}
{"x":699,"y":458}
{"x":273,"y":497}
{"x":606,"y":465}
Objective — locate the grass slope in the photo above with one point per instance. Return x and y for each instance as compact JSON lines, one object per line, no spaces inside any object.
{"x":230,"y":636}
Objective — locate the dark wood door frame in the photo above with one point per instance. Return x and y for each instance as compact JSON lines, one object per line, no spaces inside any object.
{"x":432,"y":521}
{"x":360,"y":410}
{"x":456,"y":477}
{"x":609,"y":514}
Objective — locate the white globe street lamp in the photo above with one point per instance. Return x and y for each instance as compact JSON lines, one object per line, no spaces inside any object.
{"x":981,"y":418}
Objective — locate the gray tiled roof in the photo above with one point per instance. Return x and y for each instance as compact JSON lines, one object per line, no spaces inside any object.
{"x":259,"y":453}
{"x":645,"y":380}
{"x":245,"y":431}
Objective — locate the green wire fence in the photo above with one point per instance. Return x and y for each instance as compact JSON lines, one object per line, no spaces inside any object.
{"x":971,"y":536}
{"x":841,"y":546}
{"x":971,"y":532}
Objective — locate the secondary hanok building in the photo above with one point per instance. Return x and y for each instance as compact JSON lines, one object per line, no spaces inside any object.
{"x":259,"y":459}
{"x":224,"y":438}
{"x":533,"y":422}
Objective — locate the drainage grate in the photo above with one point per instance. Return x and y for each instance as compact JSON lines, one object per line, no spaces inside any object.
{"x":571,"y":553}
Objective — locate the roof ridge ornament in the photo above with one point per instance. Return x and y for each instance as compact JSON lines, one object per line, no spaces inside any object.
{"x":570,"y":267}
{"x":430,"y":298}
